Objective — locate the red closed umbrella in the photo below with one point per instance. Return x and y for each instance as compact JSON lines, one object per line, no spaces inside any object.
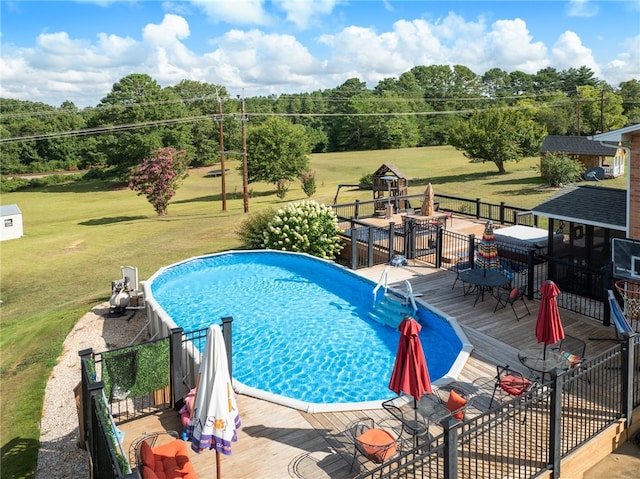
{"x":410,"y":374}
{"x":548,"y":324}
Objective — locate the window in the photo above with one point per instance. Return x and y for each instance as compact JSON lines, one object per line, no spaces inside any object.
{"x":8,"y":222}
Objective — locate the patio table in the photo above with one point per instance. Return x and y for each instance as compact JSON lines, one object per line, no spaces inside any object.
{"x":536,"y":360}
{"x":483,"y":280}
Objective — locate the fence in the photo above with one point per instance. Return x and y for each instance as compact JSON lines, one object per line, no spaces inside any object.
{"x":583,"y":289}
{"x":530,"y":434}
{"x":502,"y":213}
{"x":171,"y":369}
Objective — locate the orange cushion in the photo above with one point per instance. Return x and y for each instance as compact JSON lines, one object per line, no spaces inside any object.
{"x":146,"y":455}
{"x":513,"y":294}
{"x":148,"y":473}
{"x":454,"y":403}
{"x":377,"y":444}
{"x":514,"y":385}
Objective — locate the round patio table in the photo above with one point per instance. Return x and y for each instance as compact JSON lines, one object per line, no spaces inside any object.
{"x":483,"y":280}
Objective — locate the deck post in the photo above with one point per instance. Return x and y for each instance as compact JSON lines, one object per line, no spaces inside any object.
{"x":555,"y":424}
{"x":450,"y":448}
{"x":227,"y":333}
{"x":627,"y":372}
{"x":176,"y":370}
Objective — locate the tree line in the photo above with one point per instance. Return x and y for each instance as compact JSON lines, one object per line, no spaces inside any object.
{"x":427,"y":105}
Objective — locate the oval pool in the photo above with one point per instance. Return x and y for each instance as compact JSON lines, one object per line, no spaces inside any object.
{"x":301,"y":332}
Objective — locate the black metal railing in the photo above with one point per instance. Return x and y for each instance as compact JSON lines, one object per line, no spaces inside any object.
{"x":531,"y":434}
{"x":502,"y":213}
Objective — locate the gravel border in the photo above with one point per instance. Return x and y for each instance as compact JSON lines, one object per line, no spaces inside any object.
{"x":60,"y":455}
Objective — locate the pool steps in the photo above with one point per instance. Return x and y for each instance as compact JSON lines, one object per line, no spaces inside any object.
{"x":391,"y":309}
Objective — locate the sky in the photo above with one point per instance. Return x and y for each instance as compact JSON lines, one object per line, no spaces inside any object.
{"x":56,"y":51}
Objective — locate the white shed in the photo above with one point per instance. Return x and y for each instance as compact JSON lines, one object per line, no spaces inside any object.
{"x":11,"y":218}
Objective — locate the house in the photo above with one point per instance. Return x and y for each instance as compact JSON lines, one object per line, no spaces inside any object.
{"x":590,"y":216}
{"x":610,"y":157}
{"x":11,"y":222}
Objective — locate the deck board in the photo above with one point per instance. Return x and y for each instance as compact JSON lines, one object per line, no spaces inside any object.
{"x":279,"y":442}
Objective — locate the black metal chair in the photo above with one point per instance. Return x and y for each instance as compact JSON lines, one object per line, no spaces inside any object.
{"x":573,"y":350}
{"x":372,"y":441}
{"x":510,"y":383}
{"x":510,"y":297}
{"x":459,"y":268}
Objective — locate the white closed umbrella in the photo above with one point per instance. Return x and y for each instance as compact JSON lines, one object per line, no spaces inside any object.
{"x":215,"y":417}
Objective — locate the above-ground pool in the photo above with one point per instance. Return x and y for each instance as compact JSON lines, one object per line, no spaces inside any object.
{"x":301,"y":331}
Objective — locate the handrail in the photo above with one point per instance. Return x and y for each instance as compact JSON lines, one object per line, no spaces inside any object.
{"x":383,"y":277}
{"x":410,"y":295}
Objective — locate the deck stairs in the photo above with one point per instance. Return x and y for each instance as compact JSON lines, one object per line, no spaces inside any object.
{"x":394,"y":305}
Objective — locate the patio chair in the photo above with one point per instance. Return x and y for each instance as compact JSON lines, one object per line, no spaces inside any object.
{"x":445,"y":403}
{"x":510,"y":297}
{"x":459,"y":268}
{"x":573,"y":350}
{"x":510,"y":383}
{"x":168,"y":459}
{"x":375,"y":443}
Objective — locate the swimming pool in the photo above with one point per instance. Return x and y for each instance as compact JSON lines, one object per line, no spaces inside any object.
{"x":301,"y":332}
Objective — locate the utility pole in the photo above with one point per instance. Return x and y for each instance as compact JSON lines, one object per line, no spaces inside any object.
{"x":222,"y":172}
{"x":245,"y":180}
{"x":578,"y":108}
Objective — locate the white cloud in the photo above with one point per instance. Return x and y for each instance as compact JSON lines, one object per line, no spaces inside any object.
{"x":626,"y":66}
{"x":582,"y":8}
{"x":301,"y":12}
{"x":237,"y":12}
{"x":569,"y":52}
{"x":510,"y":47}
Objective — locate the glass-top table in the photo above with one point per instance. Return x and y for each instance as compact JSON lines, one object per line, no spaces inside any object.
{"x":539,"y":361}
{"x":483,"y":280}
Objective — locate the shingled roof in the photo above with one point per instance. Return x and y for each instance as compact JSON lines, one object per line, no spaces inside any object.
{"x":575,"y":145}
{"x":589,"y":205}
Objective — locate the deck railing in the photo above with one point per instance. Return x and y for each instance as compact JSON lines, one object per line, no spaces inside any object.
{"x":531,"y":434}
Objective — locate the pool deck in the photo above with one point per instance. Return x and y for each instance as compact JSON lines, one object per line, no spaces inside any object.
{"x":279,"y":442}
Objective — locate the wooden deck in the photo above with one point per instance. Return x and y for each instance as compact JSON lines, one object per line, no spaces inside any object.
{"x":278,"y":442}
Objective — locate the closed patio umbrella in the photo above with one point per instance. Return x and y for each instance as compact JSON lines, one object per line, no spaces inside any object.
{"x":487,"y":256}
{"x":548,"y":324}
{"x":410,"y":374}
{"x":428,"y":208}
{"x":215,"y":417}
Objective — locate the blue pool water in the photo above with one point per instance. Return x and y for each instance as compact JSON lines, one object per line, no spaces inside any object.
{"x":300,"y":324}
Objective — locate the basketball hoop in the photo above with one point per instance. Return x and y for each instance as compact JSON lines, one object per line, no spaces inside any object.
{"x":630,"y":292}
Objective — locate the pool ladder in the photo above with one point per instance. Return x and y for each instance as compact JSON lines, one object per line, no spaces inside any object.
{"x":395,"y":305}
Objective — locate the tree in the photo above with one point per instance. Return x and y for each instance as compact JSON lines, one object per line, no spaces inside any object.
{"x":630,"y":93}
{"x":159,"y":176}
{"x":276,"y":150}
{"x":135,"y":100}
{"x":498,"y":136}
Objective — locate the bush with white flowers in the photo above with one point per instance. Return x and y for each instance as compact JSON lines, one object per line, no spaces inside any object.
{"x":304,"y":227}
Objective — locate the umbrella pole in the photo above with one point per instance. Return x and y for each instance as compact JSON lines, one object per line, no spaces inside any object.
{"x":218,"y":471}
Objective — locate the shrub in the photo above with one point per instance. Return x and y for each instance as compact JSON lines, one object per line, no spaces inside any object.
{"x":305,"y":227}
{"x":159,"y":176}
{"x":366,"y":181}
{"x":251,"y":229}
{"x":282,"y":186}
{"x":558,"y":170}
{"x":308,"y":180}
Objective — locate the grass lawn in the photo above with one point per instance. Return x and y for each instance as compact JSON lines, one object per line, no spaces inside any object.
{"x":77,"y":236}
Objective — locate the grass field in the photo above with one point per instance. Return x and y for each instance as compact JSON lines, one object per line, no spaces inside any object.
{"x":77,"y":236}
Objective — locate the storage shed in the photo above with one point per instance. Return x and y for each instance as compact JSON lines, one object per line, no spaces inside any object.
{"x":11,"y":222}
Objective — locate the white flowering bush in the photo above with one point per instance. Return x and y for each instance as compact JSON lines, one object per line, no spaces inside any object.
{"x":304,"y":227}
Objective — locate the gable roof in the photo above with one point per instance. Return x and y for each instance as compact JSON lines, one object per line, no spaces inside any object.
{"x":388,"y":167}
{"x":589,"y":205}
{"x":621,"y":134}
{"x":577,"y":145}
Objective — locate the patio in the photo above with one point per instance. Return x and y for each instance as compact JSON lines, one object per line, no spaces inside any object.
{"x":279,"y":442}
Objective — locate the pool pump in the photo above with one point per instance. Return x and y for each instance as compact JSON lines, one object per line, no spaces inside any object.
{"x":119,"y":297}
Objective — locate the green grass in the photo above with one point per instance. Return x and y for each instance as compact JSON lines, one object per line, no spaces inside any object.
{"x":77,"y":236}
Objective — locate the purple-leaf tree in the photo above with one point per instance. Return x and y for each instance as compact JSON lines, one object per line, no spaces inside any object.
{"x":159,"y":176}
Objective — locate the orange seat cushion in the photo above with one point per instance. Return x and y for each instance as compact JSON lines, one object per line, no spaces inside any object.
{"x":167,"y":461}
{"x":456,"y":402}
{"x":377,"y":444}
{"x":514,"y":385}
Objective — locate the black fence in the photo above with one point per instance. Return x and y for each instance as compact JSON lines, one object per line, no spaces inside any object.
{"x":502,"y":213}
{"x":583,"y":289}
{"x":531,"y":434}
{"x":103,"y":406}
